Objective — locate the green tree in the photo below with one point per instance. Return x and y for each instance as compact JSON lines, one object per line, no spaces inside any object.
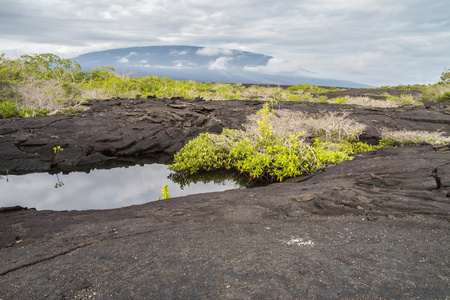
{"x":445,"y":76}
{"x":51,"y":66}
{"x":9,"y":77}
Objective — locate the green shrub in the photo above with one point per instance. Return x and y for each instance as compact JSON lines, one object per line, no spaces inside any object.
{"x":70,"y":89}
{"x":444,"y":97}
{"x":402,"y":99}
{"x":266,"y":155}
{"x":306,"y":88}
{"x":26,"y":113}
{"x":236,"y":96}
{"x":201,"y":153}
{"x":8,"y":110}
{"x":340,"y":100}
{"x":272,"y":160}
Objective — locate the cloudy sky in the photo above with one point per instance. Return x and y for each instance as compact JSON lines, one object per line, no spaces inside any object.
{"x":376,"y":42}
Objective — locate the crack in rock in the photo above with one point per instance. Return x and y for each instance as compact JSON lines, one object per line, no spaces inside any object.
{"x":110,"y":237}
{"x":436,"y":177}
{"x":43,"y":259}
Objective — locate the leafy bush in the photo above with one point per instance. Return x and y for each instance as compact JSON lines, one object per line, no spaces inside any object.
{"x":306,"y":88}
{"x":271,"y":160}
{"x":402,"y":100}
{"x":203,"y":153}
{"x":445,"y":97}
{"x":8,"y":110}
{"x":267,"y":155}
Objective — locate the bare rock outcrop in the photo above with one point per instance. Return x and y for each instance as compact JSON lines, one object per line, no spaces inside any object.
{"x":375,"y":227}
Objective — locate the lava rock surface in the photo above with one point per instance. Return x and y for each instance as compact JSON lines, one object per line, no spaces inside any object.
{"x":376,"y":227}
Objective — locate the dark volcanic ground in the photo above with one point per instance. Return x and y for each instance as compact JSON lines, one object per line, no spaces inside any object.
{"x":376,"y":227}
{"x":125,"y":127}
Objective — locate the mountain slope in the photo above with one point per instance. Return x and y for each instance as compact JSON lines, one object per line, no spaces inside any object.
{"x":206,"y":64}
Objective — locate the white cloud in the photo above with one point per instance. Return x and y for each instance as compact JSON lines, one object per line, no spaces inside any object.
{"x":175,"y":52}
{"x":220,"y":63}
{"x":276,"y":66}
{"x":213,"y":51}
{"x":177,"y":64}
{"x":125,"y":59}
{"x":184,"y":64}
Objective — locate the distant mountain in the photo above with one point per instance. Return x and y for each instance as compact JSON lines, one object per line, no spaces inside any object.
{"x":205,"y":64}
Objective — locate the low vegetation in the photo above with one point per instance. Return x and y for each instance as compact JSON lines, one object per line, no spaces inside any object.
{"x":279,"y":144}
{"x":430,"y":92}
{"x":45,"y":84}
{"x":401,"y":138}
{"x":165,"y":192}
{"x":273,"y":148}
{"x":391,"y":101}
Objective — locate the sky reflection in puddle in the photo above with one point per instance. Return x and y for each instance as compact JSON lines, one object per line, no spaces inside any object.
{"x":99,"y":189}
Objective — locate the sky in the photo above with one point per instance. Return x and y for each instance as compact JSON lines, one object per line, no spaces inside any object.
{"x":375,"y":42}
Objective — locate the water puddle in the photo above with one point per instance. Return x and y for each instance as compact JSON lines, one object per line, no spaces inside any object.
{"x":106,"y":188}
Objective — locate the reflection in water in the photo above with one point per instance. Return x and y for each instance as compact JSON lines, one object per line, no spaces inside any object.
{"x":103,"y":189}
{"x":214,"y":177}
{"x":59,"y":183}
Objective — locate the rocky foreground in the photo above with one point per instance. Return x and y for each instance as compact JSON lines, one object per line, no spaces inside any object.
{"x":376,"y":227}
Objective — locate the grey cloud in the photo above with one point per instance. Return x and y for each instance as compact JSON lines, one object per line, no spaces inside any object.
{"x":376,"y":38}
